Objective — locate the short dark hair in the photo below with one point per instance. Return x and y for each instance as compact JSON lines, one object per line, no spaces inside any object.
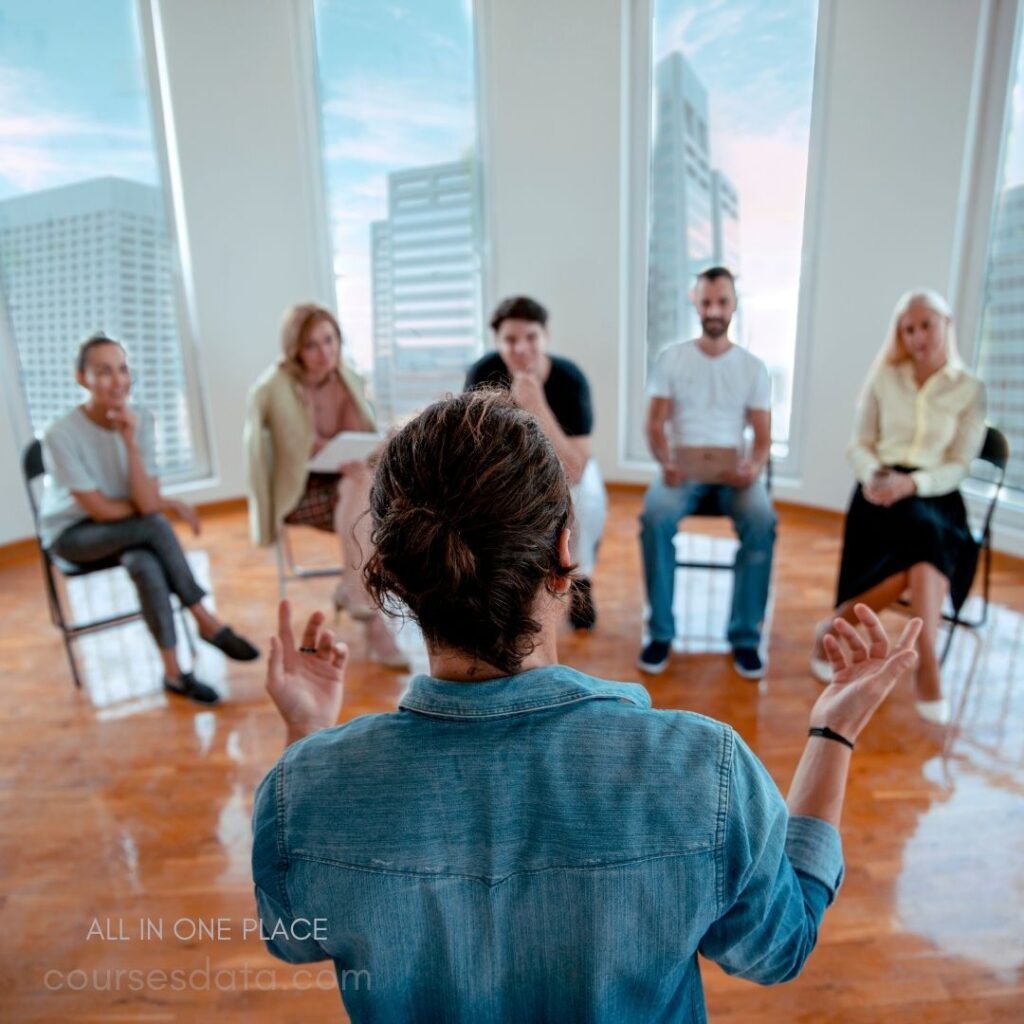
{"x":716,"y":273}
{"x":518,"y":307}
{"x":468,"y":505}
{"x":93,"y":341}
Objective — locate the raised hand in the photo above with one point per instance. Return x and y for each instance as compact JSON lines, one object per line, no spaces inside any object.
{"x":306,"y":683}
{"x":863,"y":673}
{"x":125,"y":422}
{"x":528,"y":391}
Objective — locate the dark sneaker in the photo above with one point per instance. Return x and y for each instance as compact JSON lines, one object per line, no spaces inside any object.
{"x":582,"y":613}
{"x":186,"y":685}
{"x":234,"y":646}
{"x":654,"y":657}
{"x":747,"y":662}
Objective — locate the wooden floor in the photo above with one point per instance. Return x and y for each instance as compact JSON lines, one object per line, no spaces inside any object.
{"x":124,"y":814}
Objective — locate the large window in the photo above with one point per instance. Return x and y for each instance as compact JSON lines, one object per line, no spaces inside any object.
{"x":1000,"y":349}
{"x":399,"y":138}
{"x":730,"y":124}
{"x":84,"y":240}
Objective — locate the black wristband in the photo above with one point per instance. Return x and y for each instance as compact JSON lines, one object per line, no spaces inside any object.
{"x":829,"y":734}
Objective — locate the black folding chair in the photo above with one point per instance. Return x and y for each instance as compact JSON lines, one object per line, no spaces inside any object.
{"x":995,"y":454}
{"x":54,"y":567}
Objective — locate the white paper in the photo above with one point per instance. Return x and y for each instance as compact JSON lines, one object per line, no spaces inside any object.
{"x":344,"y":447}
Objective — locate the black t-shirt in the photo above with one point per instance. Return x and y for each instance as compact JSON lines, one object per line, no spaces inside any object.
{"x":566,"y":390}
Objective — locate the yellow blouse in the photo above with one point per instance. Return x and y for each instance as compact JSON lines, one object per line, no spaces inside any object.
{"x":938,"y":427}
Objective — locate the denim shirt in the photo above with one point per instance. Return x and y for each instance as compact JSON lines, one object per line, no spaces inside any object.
{"x":544,"y":847}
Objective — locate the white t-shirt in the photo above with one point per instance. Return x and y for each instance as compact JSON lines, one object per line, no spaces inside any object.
{"x":710,"y":394}
{"x":79,"y":455}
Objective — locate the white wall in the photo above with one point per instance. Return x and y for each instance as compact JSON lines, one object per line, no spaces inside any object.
{"x":238,"y":92}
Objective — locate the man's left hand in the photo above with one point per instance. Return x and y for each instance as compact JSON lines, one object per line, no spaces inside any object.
{"x":745,"y":473}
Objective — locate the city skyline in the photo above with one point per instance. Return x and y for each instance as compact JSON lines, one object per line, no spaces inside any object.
{"x":92,"y":257}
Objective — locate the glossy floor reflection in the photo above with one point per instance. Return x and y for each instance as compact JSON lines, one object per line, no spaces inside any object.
{"x":128,"y":811}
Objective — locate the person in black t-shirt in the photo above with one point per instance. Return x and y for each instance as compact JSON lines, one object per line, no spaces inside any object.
{"x":555,"y":390}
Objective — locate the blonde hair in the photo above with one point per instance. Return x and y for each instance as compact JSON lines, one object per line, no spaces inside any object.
{"x":297,"y":322}
{"x":893,"y":351}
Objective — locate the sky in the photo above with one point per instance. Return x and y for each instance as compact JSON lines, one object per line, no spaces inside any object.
{"x":397,"y":88}
{"x":72,"y":94}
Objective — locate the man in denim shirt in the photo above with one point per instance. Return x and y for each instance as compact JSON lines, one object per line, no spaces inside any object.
{"x":518,"y":841}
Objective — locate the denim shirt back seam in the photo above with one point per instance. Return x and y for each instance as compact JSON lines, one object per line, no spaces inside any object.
{"x":281,"y":834}
{"x":722,"y":821}
{"x":493,"y":883}
{"x":558,"y":700}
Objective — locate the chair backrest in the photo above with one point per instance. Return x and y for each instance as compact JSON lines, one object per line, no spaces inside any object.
{"x":996,"y":449}
{"x":996,"y":452}
{"x":32,"y":468}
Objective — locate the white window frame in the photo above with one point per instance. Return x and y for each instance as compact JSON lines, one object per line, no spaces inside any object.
{"x":318,"y":205}
{"x":165,"y":150}
{"x":639,"y":35}
{"x":165,"y":144}
{"x":991,"y":105}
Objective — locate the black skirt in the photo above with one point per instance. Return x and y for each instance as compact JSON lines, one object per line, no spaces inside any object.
{"x":880,"y":542}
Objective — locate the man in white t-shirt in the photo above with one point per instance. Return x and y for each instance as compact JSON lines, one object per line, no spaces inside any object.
{"x":703,"y":395}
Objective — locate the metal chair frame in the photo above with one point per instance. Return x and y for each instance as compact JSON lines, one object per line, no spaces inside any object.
{"x":289,"y":571}
{"x":32,"y":468}
{"x":709,"y":507}
{"x":996,"y":452}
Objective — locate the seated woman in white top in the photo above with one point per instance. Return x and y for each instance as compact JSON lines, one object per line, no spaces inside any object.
{"x":920,"y":423}
{"x":102,"y":499}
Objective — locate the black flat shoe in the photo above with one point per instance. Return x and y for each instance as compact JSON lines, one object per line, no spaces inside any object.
{"x":234,"y":646}
{"x":186,"y":685}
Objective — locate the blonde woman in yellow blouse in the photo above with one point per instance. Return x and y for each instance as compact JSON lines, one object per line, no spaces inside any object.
{"x":920,"y":422}
{"x":295,"y":408}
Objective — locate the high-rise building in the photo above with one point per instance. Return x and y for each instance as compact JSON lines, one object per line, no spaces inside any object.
{"x":725,"y":221}
{"x":426,"y":287}
{"x":1001,"y":362}
{"x":694,"y":209}
{"x":89,"y":257}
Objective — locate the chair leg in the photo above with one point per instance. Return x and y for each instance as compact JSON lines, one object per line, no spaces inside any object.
{"x":947,"y":646}
{"x":187,"y":633}
{"x":71,"y":659}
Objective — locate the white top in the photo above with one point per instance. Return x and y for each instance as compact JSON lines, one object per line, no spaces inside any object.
{"x":79,"y":455}
{"x":938,"y":427}
{"x":710,"y":394}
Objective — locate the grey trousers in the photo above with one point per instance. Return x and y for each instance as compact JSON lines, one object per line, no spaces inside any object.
{"x":148,"y":548}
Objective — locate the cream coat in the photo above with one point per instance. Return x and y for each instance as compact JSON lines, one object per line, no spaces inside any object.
{"x":278,"y":441}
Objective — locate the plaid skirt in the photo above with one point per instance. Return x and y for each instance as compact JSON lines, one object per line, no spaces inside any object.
{"x":317,"y":504}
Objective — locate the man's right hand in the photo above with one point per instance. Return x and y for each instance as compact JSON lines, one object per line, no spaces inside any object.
{"x":671,"y":476}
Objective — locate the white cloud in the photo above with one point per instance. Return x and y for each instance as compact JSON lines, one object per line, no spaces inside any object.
{"x":42,"y":145}
{"x":390,"y":123}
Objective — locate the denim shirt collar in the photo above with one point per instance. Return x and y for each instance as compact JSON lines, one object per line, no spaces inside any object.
{"x":539,"y":689}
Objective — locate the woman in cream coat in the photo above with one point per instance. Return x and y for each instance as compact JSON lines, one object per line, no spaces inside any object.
{"x":294,"y":409}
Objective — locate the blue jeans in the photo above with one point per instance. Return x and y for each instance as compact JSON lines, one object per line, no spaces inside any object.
{"x":752,"y":514}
